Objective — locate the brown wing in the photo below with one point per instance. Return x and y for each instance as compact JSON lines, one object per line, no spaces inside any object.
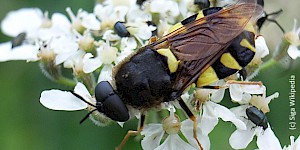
{"x":199,"y":43}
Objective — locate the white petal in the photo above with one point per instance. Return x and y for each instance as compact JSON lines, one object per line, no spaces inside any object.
{"x":267,"y":140}
{"x":240,"y":139}
{"x":209,"y":119}
{"x":22,"y":20}
{"x":62,"y":57}
{"x":106,"y":73}
{"x":261,"y":47}
{"x":226,"y":115}
{"x":5,"y":48}
{"x":153,"y":135}
{"x":187,"y":131}
{"x":174,"y":142}
{"x":64,"y":44}
{"x":81,"y":90}
{"x":253,"y":89}
{"x":293,"y":51}
{"x":61,"y":100}
{"x":61,"y":21}
{"x":91,"y":64}
{"x":297,"y":143}
{"x":23,"y":52}
{"x":107,"y":53}
{"x":236,"y":92}
{"x":90,"y":22}
{"x":110,"y":36}
{"x":217,"y":96}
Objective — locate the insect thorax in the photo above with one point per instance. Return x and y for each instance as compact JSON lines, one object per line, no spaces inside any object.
{"x":144,"y":81}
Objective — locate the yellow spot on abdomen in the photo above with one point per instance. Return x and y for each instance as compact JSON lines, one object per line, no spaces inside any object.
{"x":207,"y":77}
{"x":246,"y":43}
{"x":172,"y":61}
{"x":228,"y":61}
{"x":200,"y":15}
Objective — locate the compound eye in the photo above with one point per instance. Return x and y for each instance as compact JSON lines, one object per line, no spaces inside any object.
{"x":112,"y":106}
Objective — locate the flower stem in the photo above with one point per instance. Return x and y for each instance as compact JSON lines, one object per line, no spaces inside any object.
{"x":267,"y":64}
{"x":66,"y":81}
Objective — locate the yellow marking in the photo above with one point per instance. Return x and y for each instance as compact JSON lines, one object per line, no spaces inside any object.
{"x":172,"y":61}
{"x":249,"y":27}
{"x":246,"y":43}
{"x":207,"y":77}
{"x":228,"y":61}
{"x":175,"y":27}
{"x":200,"y":15}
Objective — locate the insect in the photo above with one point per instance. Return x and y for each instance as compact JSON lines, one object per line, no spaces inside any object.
{"x":107,"y":102}
{"x":18,"y":40}
{"x":257,"y":117}
{"x":203,"y":48}
{"x":121,"y":30}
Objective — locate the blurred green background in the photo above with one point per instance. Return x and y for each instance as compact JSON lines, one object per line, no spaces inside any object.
{"x":25,"y":124}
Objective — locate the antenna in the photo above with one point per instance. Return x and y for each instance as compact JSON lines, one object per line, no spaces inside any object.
{"x":87,"y":115}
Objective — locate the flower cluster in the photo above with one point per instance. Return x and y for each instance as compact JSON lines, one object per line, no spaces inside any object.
{"x":92,"y":44}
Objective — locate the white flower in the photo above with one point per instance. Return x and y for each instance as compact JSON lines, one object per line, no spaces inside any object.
{"x":295,"y":145}
{"x":23,"y":52}
{"x":241,"y":93}
{"x":187,"y":8}
{"x":165,"y":8}
{"x":209,"y":119}
{"x":141,"y":30}
{"x":154,"y":133}
{"x":109,"y":15}
{"x":76,"y":61}
{"x":215,"y":111}
{"x":55,"y":33}
{"x":64,"y":47}
{"x":58,"y":26}
{"x":106,"y":73}
{"x":240,"y":139}
{"x":293,"y":38}
{"x":128,"y":45}
{"x":262,"y":102}
{"x":23,"y":20}
{"x":163,"y":27}
{"x":203,"y":129}
{"x":109,"y":35}
{"x":83,"y":20}
{"x":106,"y":54}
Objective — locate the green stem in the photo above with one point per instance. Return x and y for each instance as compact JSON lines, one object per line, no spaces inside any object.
{"x":267,"y":64}
{"x":66,"y":81}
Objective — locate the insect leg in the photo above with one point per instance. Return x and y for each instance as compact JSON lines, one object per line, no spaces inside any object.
{"x":244,"y":82}
{"x":152,"y":39}
{"x":132,"y":133}
{"x":192,"y":117}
